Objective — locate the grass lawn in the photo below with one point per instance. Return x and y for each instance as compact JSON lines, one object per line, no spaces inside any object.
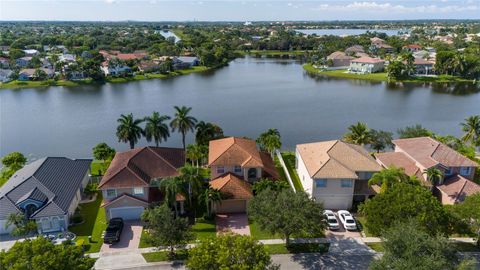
{"x":297,"y":248}
{"x":204,"y":229}
{"x":258,"y":234}
{"x":289,"y":158}
{"x":361,"y":220}
{"x":143,"y":243}
{"x":161,"y":256}
{"x":378,"y":247}
{"x":99,"y":167}
{"x":32,"y":84}
{"x":94,"y":224}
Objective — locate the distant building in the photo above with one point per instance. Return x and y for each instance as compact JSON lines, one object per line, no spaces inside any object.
{"x":31,"y":52}
{"x":339,"y":59}
{"x":366,"y":65}
{"x":23,"y":61}
{"x":354,"y":50}
{"x":423,"y":67}
{"x":115,"y":70}
{"x":5,"y":75}
{"x":29,"y":74}
{"x":182,"y":62}
{"x":412,"y":48}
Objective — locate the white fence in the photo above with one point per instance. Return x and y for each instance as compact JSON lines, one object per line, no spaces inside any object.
{"x":280,"y":158}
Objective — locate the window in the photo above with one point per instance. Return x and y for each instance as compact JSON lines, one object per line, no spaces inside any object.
{"x":448,"y":171}
{"x":347,"y":183}
{"x":220,"y":169}
{"x":237,"y":169}
{"x":321,"y":183}
{"x":465,"y":171}
{"x":111,"y":193}
{"x":138,"y":190}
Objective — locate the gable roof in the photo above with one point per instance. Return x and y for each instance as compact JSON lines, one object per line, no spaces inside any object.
{"x":234,"y":151}
{"x":458,"y":187}
{"x":52,"y":179}
{"x":399,"y":160}
{"x":429,"y":152}
{"x":232,"y":186}
{"x":336,"y":159}
{"x":126,"y":196}
{"x":139,"y":166}
{"x":339,"y":55}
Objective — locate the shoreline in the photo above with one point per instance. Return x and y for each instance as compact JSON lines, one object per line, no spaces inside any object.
{"x":382,"y":76}
{"x":13,"y":85}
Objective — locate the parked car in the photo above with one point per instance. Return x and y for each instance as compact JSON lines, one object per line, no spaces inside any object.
{"x":332,"y":222}
{"x":113,"y":231}
{"x":347,"y":220}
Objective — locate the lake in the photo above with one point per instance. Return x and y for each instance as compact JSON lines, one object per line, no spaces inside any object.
{"x":245,"y":98}
{"x":349,"y":32}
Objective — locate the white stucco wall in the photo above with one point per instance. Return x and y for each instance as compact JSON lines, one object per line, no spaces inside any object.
{"x":302,"y":173}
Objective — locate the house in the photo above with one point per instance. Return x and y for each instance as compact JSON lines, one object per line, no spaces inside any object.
{"x":379,"y":43}
{"x":416,"y":155}
{"x":130,"y":183}
{"x":31,"y":52}
{"x":425,"y":54}
{"x":5,"y":75}
{"x":47,"y":191}
{"x":115,"y":70}
{"x":353,"y":50}
{"x":423,"y":67}
{"x":4,"y":62}
{"x":67,"y":58}
{"x":182,"y":62}
{"x":23,"y":61}
{"x":339,"y":59}
{"x":241,"y":157}
{"x":29,"y":73}
{"x":335,"y":173}
{"x":412,"y":48}
{"x":236,"y":193}
{"x":366,"y":65}
{"x":149,"y":66}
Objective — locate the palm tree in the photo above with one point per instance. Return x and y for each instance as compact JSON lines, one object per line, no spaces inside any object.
{"x":183,"y":122}
{"x":270,"y":140}
{"x":205,"y":132}
{"x":194,"y":153}
{"x":23,"y":226}
{"x":172,"y":186}
{"x":209,"y":197}
{"x":386,"y":178}
{"x":471,"y":127}
{"x":129,"y":129}
{"x":358,"y":134}
{"x":434,"y":175}
{"x":193,"y":178}
{"x":156,"y":129}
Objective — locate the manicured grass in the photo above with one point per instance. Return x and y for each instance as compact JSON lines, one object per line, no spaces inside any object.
{"x":161,"y":256}
{"x":259,"y":234}
{"x":33,"y":84}
{"x":99,"y":167}
{"x":361,"y":220}
{"x":297,"y":248}
{"x":204,"y":229}
{"x":94,"y":224}
{"x":378,"y":247}
{"x":289,"y":159}
{"x":143,"y":242}
{"x":147,"y":76}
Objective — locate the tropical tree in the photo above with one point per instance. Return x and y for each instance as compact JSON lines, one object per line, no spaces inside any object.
{"x":22,"y":225}
{"x":156,"y":129}
{"x":434,"y":175}
{"x":264,"y":184}
{"x":388,"y":177}
{"x":129,"y":129}
{"x":287,"y":212}
{"x":270,"y":141}
{"x":194,"y":153}
{"x":358,"y":134}
{"x":14,"y":161}
{"x":396,"y":70}
{"x":380,"y":140}
{"x":166,"y":229}
{"x":103,"y":152}
{"x":192,"y":177}
{"x":172,"y":186}
{"x":183,"y":122}
{"x":205,"y":132}
{"x":210,"y":196}
{"x":414,"y":132}
{"x":471,"y":127}
{"x":229,"y":251}
{"x":40,"y":253}
{"x":468,"y":211}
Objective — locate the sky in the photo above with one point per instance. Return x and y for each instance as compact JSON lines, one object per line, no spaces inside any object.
{"x":233,"y":10}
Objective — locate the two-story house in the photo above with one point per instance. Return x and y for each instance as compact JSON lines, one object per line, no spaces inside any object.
{"x":416,"y":155}
{"x":131,"y":181}
{"x":236,"y":163}
{"x":335,"y":173}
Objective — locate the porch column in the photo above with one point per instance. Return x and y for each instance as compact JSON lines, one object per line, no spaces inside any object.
{"x":182,"y":210}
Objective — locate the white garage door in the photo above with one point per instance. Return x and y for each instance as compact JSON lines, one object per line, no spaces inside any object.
{"x":337,"y":203}
{"x":127,"y":213}
{"x":231,"y":206}
{"x":4,"y":230}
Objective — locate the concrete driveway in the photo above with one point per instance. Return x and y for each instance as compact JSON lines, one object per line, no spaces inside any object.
{"x":236,"y":223}
{"x":130,"y":238}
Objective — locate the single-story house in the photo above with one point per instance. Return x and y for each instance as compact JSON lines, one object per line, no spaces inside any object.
{"x":31,"y":52}
{"x":5,"y":75}
{"x":335,"y":173}
{"x":29,"y":73}
{"x":149,"y":66}
{"x":67,"y":58}
{"x":4,"y":62}
{"x":412,"y":48}
{"x":130,"y":183}
{"x":339,"y":59}
{"x":47,"y":191}
{"x":115,"y":70}
{"x":354,"y":50}
{"x":182,"y":62}
{"x":236,"y":193}
{"x":366,"y":65}
{"x":23,"y":61}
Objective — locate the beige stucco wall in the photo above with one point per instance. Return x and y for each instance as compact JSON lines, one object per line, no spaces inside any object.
{"x":123,"y":202}
{"x":121,"y":191}
{"x":243,"y":174}
{"x":305,"y":179}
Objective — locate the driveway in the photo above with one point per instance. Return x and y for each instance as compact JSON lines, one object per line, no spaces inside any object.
{"x":236,"y":223}
{"x":130,"y":238}
{"x":342,"y":233}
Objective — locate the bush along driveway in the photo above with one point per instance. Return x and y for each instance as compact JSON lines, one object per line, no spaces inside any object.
{"x":94,"y":223}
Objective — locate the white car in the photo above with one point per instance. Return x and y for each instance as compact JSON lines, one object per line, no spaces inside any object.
{"x":347,"y":220}
{"x":332,"y":222}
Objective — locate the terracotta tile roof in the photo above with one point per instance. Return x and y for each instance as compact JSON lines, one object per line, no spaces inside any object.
{"x":339,"y":55}
{"x":429,"y":152}
{"x":413,"y":46}
{"x":234,"y":151}
{"x":398,"y":160}
{"x":137,"y":167}
{"x":368,"y":60}
{"x":336,"y":159}
{"x":123,"y":195}
{"x":269,"y":165}
{"x":232,"y":186}
{"x":458,"y":187}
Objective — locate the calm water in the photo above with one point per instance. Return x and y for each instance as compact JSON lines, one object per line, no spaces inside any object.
{"x":348,"y":32}
{"x":245,"y":98}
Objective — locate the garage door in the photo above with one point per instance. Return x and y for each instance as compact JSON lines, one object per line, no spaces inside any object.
{"x":337,"y":203}
{"x":4,"y":230}
{"x":231,"y":206}
{"x":127,"y":213}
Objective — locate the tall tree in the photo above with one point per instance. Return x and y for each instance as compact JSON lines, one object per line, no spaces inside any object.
{"x":434,"y":175}
{"x":270,"y":141}
{"x":156,"y":129}
{"x":103,"y":152}
{"x":22,"y":225}
{"x":471,"y":127}
{"x":183,"y":122}
{"x":129,"y":129}
{"x":358,"y":134}
{"x":286,"y":212}
{"x":388,"y":177}
{"x":193,"y":179}
{"x":380,"y":140}
{"x":414,"y":132}
{"x":230,"y":251}
{"x":14,"y":161}
{"x":205,"y":132}
{"x":210,"y":196}
{"x":166,"y":229}
{"x":194,"y":153}
{"x":172,"y":186}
